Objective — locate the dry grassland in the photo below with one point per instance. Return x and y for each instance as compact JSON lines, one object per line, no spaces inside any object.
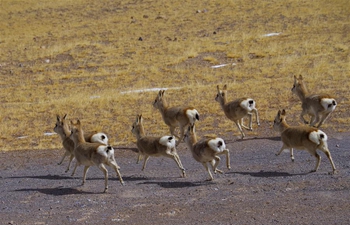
{"x":82,"y":57}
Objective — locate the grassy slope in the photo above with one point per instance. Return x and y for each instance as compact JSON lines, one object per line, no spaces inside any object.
{"x":77,"y":57}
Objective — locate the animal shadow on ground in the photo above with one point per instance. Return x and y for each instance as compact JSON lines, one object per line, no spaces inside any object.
{"x":268,"y":174}
{"x":45,"y":177}
{"x":277,"y":138}
{"x":57,"y":191}
{"x":176,"y":184}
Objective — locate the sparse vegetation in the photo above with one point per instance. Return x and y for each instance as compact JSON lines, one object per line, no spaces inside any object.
{"x":77,"y":57}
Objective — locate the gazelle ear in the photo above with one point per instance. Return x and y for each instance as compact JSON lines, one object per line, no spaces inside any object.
{"x":300,"y":77}
{"x":58,"y":118}
{"x":140,"y":118}
{"x":65,"y":116}
{"x":283,"y":112}
{"x":163,"y":92}
{"x":225,"y":87}
{"x":279,"y":113}
{"x":218,"y":88}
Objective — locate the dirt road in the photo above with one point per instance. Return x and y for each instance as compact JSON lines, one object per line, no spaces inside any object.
{"x":261,"y":188}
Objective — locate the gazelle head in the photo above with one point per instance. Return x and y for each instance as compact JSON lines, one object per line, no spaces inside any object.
{"x":298,"y":85}
{"x":221,"y":95}
{"x":159,"y":102}
{"x":76,"y":131}
{"x":137,"y":126}
{"x":61,"y":126}
{"x":279,"y":119}
{"x":190,"y":134}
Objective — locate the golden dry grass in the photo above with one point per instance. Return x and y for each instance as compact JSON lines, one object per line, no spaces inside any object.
{"x":77,"y":57}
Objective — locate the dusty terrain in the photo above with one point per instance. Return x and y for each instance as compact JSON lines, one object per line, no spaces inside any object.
{"x":260,"y":188}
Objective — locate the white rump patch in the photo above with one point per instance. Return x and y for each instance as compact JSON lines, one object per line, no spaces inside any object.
{"x":248,"y":104}
{"x":100,"y":138}
{"x":103,"y":150}
{"x":217,"y":144}
{"x":191,"y":114}
{"x":168,"y":141}
{"x":327,"y":104}
{"x":317,"y":136}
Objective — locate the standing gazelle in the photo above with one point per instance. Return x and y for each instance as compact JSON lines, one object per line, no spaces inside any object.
{"x":303,"y":138}
{"x":155,"y":146}
{"x":207,"y":151}
{"x":238,"y":109}
{"x":93,"y":154}
{"x":175,"y":116}
{"x":318,"y":106}
{"x":62,"y":128}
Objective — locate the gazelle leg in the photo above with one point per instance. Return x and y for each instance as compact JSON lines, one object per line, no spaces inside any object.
{"x":322,"y":120}
{"x":176,"y":158}
{"x":318,"y":160}
{"x":326,"y":151}
{"x":314,"y":120}
{"x":105,"y":172}
{"x":214,"y":163}
{"x":256,"y":116}
{"x":291,"y":154}
{"x":75,"y":167}
{"x":281,"y":150}
{"x":66,"y":153}
{"x":115,"y":166}
{"x":139,"y":158}
{"x":240,"y":128}
{"x":172,"y":132}
{"x":86,"y":168}
{"x":70,"y":160}
{"x":227,"y":153}
{"x":145,"y":162}
{"x":302,"y":117}
{"x":207,"y":169}
{"x":250,"y":123}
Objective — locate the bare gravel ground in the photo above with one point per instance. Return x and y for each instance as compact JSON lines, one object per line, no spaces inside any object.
{"x":261,"y":188}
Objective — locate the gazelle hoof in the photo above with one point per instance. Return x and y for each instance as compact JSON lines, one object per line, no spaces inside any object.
{"x":333,"y":172}
{"x":219,"y":171}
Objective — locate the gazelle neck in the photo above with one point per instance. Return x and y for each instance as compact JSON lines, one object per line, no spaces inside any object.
{"x":283,"y":125}
{"x":66,"y":130}
{"x":78,"y":137}
{"x":140,"y":132}
{"x":301,"y":92}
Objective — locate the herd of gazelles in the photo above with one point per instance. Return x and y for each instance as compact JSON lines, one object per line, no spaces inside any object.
{"x":94,"y":150}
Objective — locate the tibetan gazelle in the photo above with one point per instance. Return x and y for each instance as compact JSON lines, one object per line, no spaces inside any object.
{"x":238,"y":109}
{"x":175,"y":116}
{"x":318,"y":106}
{"x":93,"y":154}
{"x":207,"y":150}
{"x":155,"y":146}
{"x":62,"y":128}
{"x":303,"y":138}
